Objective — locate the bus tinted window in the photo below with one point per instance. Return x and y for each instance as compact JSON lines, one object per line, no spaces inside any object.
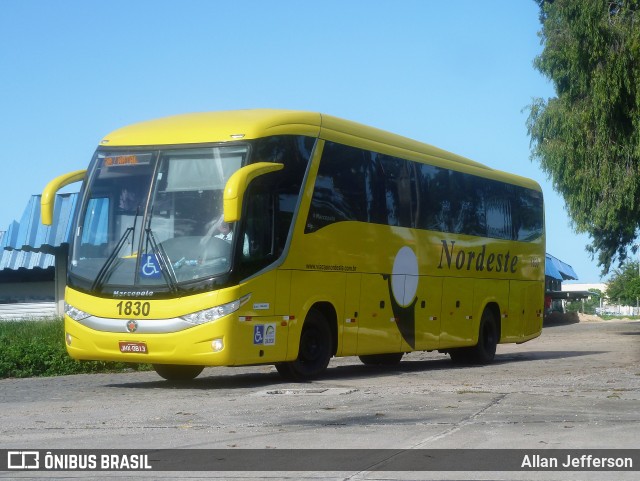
{"x":357,"y":185}
{"x":272,"y":200}
{"x":339,"y":193}
{"x":401,"y":191}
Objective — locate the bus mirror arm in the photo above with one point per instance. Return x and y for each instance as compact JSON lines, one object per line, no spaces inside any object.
{"x":49,"y":193}
{"x":237,"y":185}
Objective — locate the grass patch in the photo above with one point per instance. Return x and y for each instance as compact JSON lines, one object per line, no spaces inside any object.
{"x":36,"y":348}
{"x":619,"y":317}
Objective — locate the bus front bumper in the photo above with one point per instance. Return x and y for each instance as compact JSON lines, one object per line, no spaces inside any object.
{"x":225,"y":342}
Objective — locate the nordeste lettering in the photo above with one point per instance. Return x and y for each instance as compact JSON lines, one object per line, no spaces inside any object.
{"x":477,"y":260}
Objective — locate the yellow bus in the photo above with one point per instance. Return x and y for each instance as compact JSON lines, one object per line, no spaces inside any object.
{"x":287,"y":238}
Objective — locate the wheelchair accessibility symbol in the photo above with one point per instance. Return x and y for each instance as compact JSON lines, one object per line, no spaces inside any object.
{"x":258,"y":334}
{"x":149,"y":266}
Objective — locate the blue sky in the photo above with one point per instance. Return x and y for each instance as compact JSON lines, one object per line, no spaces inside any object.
{"x":457,"y":75}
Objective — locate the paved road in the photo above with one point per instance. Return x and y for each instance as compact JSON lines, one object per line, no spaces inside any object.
{"x":577,"y":386}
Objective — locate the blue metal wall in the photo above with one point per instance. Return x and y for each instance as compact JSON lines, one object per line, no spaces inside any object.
{"x":29,"y":244}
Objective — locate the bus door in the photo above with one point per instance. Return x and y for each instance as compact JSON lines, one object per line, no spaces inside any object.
{"x":534,"y":308}
{"x":525,"y":310}
{"x":457,"y":312}
{"x":352,"y":316}
{"x":378,"y":332}
{"x":526,"y":303}
{"x":427,"y":312}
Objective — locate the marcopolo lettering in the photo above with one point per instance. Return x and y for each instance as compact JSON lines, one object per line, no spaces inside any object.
{"x":477,"y":260}
{"x":146,"y":293}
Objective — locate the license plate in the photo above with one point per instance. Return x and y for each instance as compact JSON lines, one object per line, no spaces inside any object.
{"x":134,"y":347}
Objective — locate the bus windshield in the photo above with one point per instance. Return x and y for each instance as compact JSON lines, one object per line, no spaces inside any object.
{"x":154,"y":219}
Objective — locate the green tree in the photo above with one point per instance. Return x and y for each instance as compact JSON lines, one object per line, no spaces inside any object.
{"x":587,"y":139}
{"x":625,"y":285}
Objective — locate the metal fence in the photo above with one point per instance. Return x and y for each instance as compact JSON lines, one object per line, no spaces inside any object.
{"x":28,"y":310}
{"x":615,"y":310}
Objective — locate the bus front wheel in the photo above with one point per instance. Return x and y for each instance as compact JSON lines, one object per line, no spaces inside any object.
{"x":314,"y":353}
{"x":177,"y":372}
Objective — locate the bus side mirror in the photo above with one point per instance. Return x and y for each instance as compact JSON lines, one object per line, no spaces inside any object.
{"x":237,"y":186}
{"x":49,"y":193}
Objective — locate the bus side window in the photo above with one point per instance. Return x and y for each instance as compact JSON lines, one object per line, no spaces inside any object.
{"x":375,"y":189}
{"x":467,"y":214}
{"x":434,"y":188}
{"x":528,"y":215}
{"x":402,"y":192}
{"x":347,"y":188}
{"x":265,"y":225}
{"x":258,"y":242}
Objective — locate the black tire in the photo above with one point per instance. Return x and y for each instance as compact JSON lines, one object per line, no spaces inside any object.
{"x":315,"y":351}
{"x":391,"y":359}
{"x":485,"y":351}
{"x":460,"y":355}
{"x":177,"y":372}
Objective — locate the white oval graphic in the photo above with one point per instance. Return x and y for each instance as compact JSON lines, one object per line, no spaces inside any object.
{"x":404,"y":276}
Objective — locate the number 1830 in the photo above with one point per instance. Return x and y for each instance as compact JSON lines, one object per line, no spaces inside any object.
{"x":133,"y":308}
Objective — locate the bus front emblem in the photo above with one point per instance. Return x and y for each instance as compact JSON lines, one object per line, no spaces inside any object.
{"x":132,"y":326}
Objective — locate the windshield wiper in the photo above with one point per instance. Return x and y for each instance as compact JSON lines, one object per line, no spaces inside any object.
{"x":166,"y":268}
{"x":106,"y":267}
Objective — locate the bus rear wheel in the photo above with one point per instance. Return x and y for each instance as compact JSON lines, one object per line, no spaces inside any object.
{"x":485,"y":351}
{"x":177,"y":372}
{"x":314,"y":353}
{"x":390,"y":359}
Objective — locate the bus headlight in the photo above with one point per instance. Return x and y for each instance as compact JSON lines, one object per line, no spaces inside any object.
{"x":214,"y":313}
{"x":75,"y":313}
